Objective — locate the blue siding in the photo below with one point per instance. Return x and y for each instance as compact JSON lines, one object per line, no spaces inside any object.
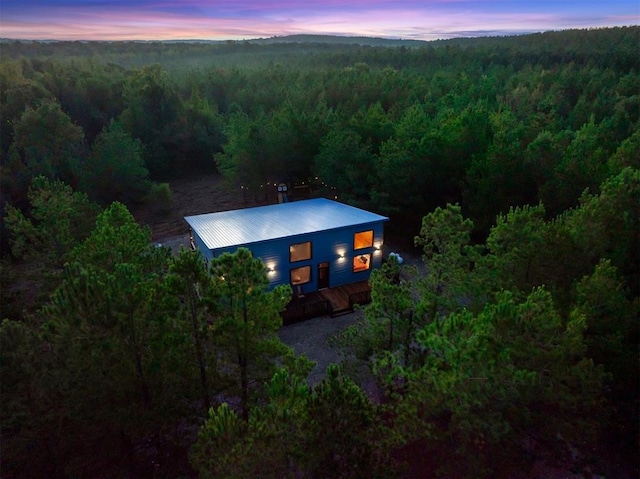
{"x":327,"y":246}
{"x":206,"y":252}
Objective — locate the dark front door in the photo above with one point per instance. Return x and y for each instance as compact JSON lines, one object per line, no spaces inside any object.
{"x":323,"y":275}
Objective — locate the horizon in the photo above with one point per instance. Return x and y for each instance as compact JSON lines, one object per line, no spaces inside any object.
{"x":244,"y":20}
{"x":274,"y":37}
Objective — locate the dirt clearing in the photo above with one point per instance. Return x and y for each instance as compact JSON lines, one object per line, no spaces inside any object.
{"x":206,"y":193}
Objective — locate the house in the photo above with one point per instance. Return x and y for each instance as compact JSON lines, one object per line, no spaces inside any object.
{"x":310,"y":245}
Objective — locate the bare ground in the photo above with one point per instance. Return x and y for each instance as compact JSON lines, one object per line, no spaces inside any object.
{"x":207,"y":193}
{"x":311,"y":338}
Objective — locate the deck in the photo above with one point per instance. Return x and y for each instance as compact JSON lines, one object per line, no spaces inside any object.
{"x":345,"y":297}
{"x":328,"y":302}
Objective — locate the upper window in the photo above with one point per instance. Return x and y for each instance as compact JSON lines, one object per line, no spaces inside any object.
{"x":301,"y":275}
{"x":300,"y":251}
{"x":364,"y":239}
{"x":361,"y":262}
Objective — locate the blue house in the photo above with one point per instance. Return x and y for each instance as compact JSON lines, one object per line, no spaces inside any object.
{"x":310,"y":245}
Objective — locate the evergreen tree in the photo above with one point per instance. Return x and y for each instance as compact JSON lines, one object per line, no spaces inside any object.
{"x":111,"y":342}
{"x":152,"y":109}
{"x":612,"y":334}
{"x":114,"y":170}
{"x":448,"y":257}
{"x":46,"y":142}
{"x":270,"y":444}
{"x":490,"y":381}
{"x":58,"y":219}
{"x":327,"y":431}
{"x":248,"y":321}
{"x":191,"y":285}
{"x":388,"y":323}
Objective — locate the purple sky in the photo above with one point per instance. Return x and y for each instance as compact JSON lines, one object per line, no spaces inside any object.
{"x":246,"y":19}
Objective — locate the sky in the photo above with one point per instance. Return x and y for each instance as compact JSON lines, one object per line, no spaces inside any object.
{"x":249,"y":19}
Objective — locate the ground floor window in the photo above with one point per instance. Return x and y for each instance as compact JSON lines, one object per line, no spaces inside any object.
{"x":361,"y":262}
{"x":301,"y":275}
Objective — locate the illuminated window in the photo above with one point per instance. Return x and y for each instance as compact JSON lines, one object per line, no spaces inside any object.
{"x":300,"y":275}
{"x":361,"y":262}
{"x":363,"y":239}
{"x":300,"y":251}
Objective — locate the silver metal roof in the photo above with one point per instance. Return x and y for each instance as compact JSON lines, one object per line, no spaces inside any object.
{"x":263,"y":223}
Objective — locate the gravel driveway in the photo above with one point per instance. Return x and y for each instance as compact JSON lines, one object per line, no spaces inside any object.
{"x":311,"y":338}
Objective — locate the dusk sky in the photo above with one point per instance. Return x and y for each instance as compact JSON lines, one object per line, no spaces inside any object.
{"x":247,"y":19}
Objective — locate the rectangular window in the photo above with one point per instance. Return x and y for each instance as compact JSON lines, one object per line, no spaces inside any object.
{"x":364,"y":239}
{"x":301,"y":275}
{"x":300,"y":251}
{"x":361,"y":262}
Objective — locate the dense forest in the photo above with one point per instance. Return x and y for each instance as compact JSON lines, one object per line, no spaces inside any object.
{"x":512,"y":164}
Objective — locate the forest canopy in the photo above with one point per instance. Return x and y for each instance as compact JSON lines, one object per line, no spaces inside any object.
{"x":490,"y":123}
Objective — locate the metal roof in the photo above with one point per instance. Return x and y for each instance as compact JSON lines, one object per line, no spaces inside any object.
{"x":263,"y":223}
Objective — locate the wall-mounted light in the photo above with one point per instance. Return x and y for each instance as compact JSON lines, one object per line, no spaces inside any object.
{"x":340,"y":254}
{"x":270,"y":269}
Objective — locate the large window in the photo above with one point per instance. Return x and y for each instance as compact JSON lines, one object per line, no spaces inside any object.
{"x":300,"y":275}
{"x":300,"y":251}
{"x":364,"y":239}
{"x":361,"y":262}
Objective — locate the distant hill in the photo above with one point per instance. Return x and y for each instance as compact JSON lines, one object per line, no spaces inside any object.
{"x":287,"y":39}
{"x":519,"y":40}
{"x":340,"y":40}
{"x":516,"y":39}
